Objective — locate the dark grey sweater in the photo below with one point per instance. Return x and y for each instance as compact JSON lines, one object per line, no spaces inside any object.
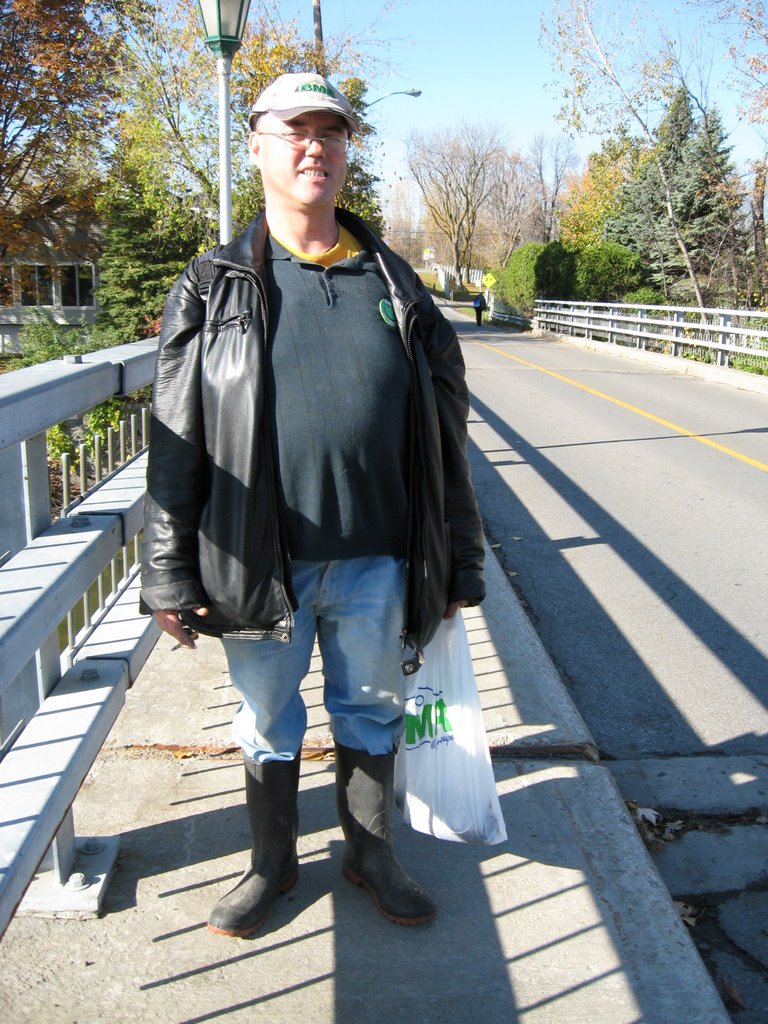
{"x":340,"y":383}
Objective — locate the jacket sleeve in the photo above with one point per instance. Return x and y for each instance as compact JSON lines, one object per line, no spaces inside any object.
{"x":178,"y":468}
{"x":446,"y":364}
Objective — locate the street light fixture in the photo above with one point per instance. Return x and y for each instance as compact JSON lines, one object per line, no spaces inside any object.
{"x":223,"y":25}
{"x":399,"y":92}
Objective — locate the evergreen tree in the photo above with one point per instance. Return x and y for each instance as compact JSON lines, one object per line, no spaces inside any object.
{"x":641,"y":225}
{"x":675,"y":131}
{"x":705,"y":200}
{"x":709,"y":198}
{"x":148,"y":239}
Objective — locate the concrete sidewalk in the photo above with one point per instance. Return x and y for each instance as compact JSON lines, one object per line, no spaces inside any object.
{"x":566,"y":921}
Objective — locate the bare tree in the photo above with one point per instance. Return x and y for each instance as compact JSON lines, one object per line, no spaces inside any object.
{"x":402,"y":214}
{"x":505,"y":220}
{"x":551,"y":160}
{"x":454,"y":172}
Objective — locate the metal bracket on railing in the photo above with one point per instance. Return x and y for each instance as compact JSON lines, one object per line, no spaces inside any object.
{"x":14,"y":734}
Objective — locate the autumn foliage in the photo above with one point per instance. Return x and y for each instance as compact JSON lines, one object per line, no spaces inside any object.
{"x":56,"y":65}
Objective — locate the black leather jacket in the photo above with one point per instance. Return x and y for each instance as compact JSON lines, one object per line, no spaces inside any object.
{"x":212,"y":534}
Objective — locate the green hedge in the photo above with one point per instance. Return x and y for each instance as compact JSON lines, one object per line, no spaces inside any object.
{"x":606,"y":272}
{"x":602,"y":273}
{"x":516,"y":283}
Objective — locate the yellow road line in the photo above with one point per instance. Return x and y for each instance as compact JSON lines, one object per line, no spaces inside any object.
{"x":631,"y":408}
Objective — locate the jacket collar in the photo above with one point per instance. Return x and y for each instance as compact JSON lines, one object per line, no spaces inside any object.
{"x":247,"y":252}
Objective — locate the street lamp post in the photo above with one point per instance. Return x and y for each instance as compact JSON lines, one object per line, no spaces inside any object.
{"x":399,"y":92}
{"x":223,"y":25}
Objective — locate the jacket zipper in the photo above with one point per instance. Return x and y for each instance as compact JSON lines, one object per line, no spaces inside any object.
{"x":281,"y":552}
{"x":243,"y":319}
{"x":409,"y":322}
{"x":414,"y":663}
{"x":281,"y":555}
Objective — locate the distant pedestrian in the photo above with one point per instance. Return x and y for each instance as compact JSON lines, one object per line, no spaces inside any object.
{"x":480,"y":304}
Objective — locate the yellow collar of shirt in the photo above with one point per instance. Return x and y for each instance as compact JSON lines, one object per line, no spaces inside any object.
{"x":346,"y":247}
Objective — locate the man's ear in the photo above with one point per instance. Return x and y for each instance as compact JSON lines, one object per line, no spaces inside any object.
{"x":254,"y":149}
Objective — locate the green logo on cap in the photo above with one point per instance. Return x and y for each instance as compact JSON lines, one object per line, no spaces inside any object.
{"x":312,"y":87}
{"x":387,"y":311}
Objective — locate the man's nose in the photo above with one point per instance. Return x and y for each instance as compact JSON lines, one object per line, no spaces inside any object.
{"x":315,"y":144}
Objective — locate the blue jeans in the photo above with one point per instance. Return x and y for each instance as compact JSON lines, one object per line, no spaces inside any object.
{"x":355,"y":608}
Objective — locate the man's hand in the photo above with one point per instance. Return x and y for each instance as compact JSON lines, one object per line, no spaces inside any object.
{"x":170,"y":623}
{"x":454,"y":606}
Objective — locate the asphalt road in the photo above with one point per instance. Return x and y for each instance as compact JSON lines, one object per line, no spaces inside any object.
{"x":640,"y":549}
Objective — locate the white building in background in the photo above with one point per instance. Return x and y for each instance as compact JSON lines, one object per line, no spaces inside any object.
{"x":57,"y":277}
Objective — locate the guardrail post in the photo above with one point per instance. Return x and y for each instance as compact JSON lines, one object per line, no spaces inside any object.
{"x":677,"y":318}
{"x":611,"y":325}
{"x":722,"y":355}
{"x":640,"y":340}
{"x":552,"y":313}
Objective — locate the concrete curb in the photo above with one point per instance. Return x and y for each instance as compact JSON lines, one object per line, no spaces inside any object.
{"x":540,"y":718}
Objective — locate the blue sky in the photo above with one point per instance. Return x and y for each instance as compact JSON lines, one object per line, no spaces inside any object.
{"x":491,"y":67}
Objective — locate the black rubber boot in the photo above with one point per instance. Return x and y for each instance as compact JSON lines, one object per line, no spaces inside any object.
{"x":364,"y":785}
{"x":270,"y":793}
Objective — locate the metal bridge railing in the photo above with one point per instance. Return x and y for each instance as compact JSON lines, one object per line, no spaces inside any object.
{"x":71,"y":638}
{"x":735,"y":338}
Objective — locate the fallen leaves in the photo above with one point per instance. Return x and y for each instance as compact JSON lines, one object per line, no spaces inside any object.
{"x":688,"y":914}
{"x":654,"y":829}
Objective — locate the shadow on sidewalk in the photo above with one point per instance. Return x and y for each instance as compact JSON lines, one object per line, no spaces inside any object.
{"x":526,"y":925}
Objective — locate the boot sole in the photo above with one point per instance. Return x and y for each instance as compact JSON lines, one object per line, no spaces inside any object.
{"x":243,"y":933}
{"x":355,"y":879}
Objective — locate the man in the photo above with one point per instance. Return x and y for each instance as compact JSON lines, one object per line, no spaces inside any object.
{"x":308,"y":478}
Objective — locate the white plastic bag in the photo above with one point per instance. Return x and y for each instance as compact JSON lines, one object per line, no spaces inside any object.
{"x":444,"y":782}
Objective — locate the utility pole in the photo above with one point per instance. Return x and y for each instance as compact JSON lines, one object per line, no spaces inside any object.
{"x":317,"y":14}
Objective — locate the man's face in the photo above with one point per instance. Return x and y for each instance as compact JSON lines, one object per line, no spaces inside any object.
{"x":300,"y":176}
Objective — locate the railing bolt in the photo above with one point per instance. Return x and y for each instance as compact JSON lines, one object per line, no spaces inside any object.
{"x":77,"y":881}
{"x":88,"y":675}
{"x":90,"y":847}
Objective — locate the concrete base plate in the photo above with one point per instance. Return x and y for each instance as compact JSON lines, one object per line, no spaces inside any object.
{"x":82,"y":895}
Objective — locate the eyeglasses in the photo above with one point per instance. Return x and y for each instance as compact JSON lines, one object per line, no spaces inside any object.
{"x":301,"y":140}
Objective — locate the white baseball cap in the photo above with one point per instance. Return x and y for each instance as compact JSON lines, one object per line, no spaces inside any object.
{"x":291,"y":95}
